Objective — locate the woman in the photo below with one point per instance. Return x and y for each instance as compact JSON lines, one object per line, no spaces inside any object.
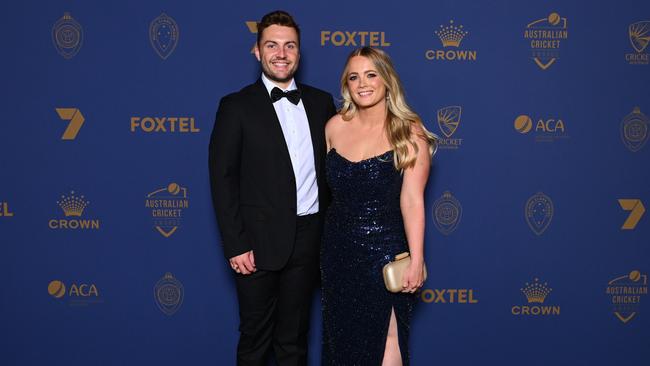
{"x":378,"y":160}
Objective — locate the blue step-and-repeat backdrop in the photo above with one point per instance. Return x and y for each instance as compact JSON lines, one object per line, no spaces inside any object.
{"x":537,"y":236}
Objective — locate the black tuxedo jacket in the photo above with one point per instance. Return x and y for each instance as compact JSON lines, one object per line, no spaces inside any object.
{"x":251,"y":176}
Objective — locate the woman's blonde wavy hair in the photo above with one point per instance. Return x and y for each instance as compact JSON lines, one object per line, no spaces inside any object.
{"x":400,"y":118}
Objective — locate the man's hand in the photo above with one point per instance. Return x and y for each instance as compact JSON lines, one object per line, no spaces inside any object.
{"x":243,"y":263}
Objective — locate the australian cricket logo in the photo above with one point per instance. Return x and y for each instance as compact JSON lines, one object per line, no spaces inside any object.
{"x":626,"y":292}
{"x":166,"y":206}
{"x":67,"y":36}
{"x":163,"y":34}
{"x":545,"y":36}
{"x":448,"y":121}
{"x":539,"y":212}
{"x":634,"y":130}
{"x":168,"y":293}
{"x":447,"y":212}
{"x":639,"y":33}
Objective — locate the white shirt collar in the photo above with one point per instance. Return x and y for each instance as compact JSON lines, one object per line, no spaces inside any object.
{"x":270,"y":84}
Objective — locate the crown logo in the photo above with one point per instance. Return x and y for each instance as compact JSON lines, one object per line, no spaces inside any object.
{"x":451,"y":35}
{"x":536,"y":292}
{"x":73,"y":205}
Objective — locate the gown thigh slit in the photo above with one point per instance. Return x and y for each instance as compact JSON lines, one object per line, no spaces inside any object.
{"x":363,"y":231}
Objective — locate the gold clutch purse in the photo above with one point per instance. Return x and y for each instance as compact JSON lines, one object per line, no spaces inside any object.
{"x":394,"y":271}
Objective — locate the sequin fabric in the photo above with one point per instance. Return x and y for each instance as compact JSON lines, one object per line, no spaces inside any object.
{"x":363,"y":231}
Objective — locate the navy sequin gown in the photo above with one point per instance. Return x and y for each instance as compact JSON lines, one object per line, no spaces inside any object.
{"x":363,"y":231}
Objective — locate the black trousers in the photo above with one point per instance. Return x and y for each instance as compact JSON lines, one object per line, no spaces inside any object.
{"x":275,"y":306}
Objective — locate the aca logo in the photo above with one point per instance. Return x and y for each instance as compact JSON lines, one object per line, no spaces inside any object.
{"x":639,"y":37}
{"x":166,"y":206}
{"x":544,"y":130}
{"x":634,"y":130}
{"x":163,"y":35}
{"x":73,"y":208}
{"x":353,"y":38}
{"x":538,"y":212}
{"x":451,"y":36}
{"x":67,"y":36}
{"x":168,"y":293}
{"x":448,"y":121}
{"x":76,"y":294}
{"x":545,"y":36}
{"x":636,"y":208}
{"x":448,"y":296}
{"x":536,"y":294}
{"x":76,"y":120}
{"x":4,"y":210}
{"x":447,"y":212}
{"x":625,"y":292}
{"x":164,"y":125}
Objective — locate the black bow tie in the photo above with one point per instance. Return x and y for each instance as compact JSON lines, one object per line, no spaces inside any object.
{"x":292,"y":95}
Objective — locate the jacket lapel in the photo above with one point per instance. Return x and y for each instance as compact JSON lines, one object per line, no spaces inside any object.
{"x":267,"y":112}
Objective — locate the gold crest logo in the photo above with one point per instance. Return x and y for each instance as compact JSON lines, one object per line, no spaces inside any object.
{"x":539,"y":212}
{"x":451,"y":36}
{"x":545,"y":36}
{"x":626,"y":292}
{"x":73,"y":208}
{"x":67,"y":36}
{"x":163,"y":34}
{"x":448,"y":121}
{"x":76,"y":121}
{"x":536,"y":294}
{"x":167,"y":205}
{"x":636,"y":208}
{"x":639,"y":35}
{"x":168,"y":293}
{"x":447,"y":212}
{"x":634,"y":130}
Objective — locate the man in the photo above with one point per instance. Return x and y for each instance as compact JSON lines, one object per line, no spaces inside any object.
{"x":267,"y":175}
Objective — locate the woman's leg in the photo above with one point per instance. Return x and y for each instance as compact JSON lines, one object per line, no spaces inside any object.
{"x":392,"y":355}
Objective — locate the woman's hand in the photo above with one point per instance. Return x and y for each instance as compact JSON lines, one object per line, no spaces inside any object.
{"x":413,"y":277}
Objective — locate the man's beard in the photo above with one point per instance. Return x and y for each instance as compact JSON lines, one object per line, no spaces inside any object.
{"x":276,"y":79}
{"x":272,"y":77}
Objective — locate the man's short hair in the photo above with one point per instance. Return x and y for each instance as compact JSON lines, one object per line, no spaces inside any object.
{"x":278,"y":17}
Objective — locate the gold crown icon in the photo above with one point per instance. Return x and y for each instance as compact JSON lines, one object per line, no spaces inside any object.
{"x":536,"y":292}
{"x":451,"y":35}
{"x":73,"y":205}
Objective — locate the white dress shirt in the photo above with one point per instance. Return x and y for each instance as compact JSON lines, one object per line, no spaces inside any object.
{"x":295,"y":128}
